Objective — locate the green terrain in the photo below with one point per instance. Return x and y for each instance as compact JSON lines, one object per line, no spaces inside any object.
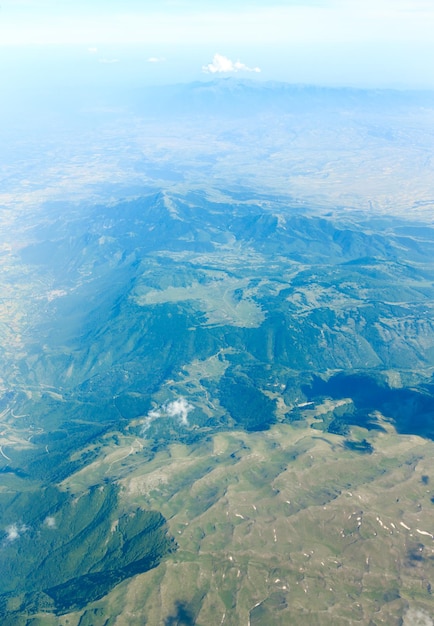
{"x":216,"y":409}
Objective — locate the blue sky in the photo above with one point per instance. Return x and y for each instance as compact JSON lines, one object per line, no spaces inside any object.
{"x":349,"y":42}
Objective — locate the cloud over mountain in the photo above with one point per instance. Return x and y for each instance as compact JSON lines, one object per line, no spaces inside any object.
{"x":222,"y":65}
{"x":50,"y":522}
{"x":14,"y":531}
{"x":178,"y":409}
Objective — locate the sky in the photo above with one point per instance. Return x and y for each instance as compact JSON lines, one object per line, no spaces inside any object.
{"x":373,"y":43}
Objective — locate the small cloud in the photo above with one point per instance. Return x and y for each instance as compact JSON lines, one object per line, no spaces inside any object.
{"x":92,"y":50}
{"x":156,"y":59}
{"x":222,"y":65}
{"x":179,"y":409}
{"x":50,"y":522}
{"x":14,"y":531}
{"x":108,"y":61}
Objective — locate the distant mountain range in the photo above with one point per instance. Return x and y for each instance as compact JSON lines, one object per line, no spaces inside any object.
{"x":232,"y":96}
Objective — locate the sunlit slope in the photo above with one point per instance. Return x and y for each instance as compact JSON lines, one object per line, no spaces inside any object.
{"x":280,"y":527}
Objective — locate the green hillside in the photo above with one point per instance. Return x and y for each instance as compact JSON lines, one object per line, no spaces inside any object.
{"x":189,"y":384}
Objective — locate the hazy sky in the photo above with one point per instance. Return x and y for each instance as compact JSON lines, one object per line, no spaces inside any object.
{"x":355,"y":42}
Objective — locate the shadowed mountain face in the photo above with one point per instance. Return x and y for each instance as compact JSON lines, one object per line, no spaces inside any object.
{"x":173,"y":317}
{"x":74,"y":551}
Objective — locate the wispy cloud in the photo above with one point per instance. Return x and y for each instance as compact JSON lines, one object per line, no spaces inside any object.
{"x":222,"y":65}
{"x":156,"y":60}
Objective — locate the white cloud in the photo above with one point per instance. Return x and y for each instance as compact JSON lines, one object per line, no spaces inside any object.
{"x":14,"y":531}
{"x":108,"y":61}
{"x":92,"y":50}
{"x":50,"y":522}
{"x":221,"y":64}
{"x":156,"y":59}
{"x":178,"y":409}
